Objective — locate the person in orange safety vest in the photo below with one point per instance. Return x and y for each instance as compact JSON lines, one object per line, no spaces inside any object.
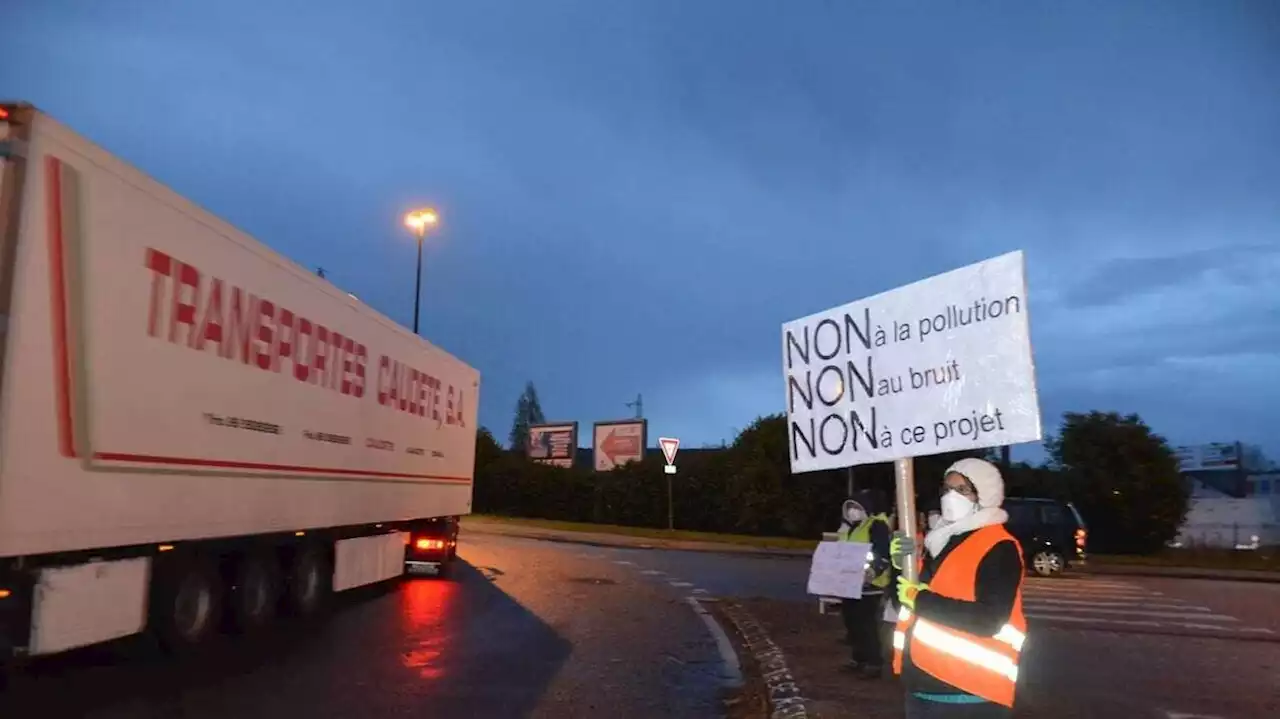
{"x":960,"y":626}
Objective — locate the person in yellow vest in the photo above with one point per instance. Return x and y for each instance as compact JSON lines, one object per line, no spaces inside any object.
{"x":864,"y":521}
{"x":961,"y":627}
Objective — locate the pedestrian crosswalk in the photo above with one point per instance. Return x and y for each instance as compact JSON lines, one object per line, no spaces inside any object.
{"x":1117,"y":605}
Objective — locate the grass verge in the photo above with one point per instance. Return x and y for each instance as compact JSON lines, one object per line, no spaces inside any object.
{"x":677,"y":535}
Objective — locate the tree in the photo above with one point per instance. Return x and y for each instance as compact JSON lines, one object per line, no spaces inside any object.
{"x":1124,"y":477}
{"x":528,"y":413}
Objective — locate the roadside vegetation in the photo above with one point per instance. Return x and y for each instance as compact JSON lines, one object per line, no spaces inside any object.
{"x":1121,"y":476}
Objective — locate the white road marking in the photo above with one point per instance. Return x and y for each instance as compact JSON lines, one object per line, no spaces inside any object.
{"x":1103,"y":622}
{"x":1114,"y":604}
{"x":1148,"y":605}
{"x":652,"y":572}
{"x":1093,"y":620}
{"x":1180,"y":715}
{"x":1066,"y":581}
{"x":1082,"y":592}
{"x":700,"y":591}
{"x":680,"y":585}
{"x":1139,"y":611}
{"x":1256,"y":630}
{"x":623,"y":562}
{"x":732,"y":667}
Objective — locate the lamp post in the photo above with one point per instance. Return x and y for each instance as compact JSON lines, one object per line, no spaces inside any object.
{"x":419,"y":221}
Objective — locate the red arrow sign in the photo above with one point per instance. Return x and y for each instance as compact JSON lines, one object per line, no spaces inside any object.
{"x":616,"y":445}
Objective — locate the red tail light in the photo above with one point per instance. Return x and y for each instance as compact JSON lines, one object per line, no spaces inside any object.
{"x":426,"y":545}
{"x":1080,"y":537}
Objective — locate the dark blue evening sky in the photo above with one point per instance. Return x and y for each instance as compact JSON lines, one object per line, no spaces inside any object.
{"x":637,"y":194}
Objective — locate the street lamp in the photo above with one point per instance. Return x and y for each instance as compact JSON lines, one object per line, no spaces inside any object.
{"x":419,"y":221}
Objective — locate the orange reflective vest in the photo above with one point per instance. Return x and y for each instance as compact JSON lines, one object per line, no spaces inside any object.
{"x":986,"y":667}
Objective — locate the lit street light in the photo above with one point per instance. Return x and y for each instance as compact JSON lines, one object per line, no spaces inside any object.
{"x":419,"y":221}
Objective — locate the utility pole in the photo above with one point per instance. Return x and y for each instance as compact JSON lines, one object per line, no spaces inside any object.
{"x":638,"y":405}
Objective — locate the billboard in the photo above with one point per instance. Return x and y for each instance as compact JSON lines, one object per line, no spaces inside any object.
{"x":616,"y":443}
{"x":1219,"y":456}
{"x":940,"y":365}
{"x":553,"y":444}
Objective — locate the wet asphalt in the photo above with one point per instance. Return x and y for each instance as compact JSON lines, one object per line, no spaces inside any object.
{"x":524,"y":629}
{"x":530,"y":628}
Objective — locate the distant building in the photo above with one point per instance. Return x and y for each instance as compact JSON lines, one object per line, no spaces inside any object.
{"x":1230,"y":468}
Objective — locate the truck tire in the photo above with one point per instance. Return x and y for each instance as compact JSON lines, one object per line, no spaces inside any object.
{"x":256,"y":594}
{"x":305,"y":590}
{"x":188,"y":606}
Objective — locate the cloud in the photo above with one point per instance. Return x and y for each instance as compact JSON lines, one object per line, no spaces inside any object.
{"x":1120,"y":278}
{"x":637,"y":194}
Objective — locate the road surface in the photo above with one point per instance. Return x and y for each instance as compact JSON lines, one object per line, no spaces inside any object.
{"x":527,"y":629}
{"x":544,"y":629}
{"x":1128,"y":647}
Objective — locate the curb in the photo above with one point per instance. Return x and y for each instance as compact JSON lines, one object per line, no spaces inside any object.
{"x":732,"y":664}
{"x":1233,"y":575}
{"x":628,"y":542}
{"x":592,"y":539}
{"x":769,"y":663}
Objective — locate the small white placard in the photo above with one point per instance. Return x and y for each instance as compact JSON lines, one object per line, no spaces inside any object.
{"x":671,"y":469}
{"x":839,"y":569}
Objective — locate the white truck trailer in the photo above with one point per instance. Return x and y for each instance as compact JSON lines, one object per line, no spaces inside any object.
{"x":194,"y":430}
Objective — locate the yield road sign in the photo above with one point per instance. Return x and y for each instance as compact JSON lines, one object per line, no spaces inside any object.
{"x":670,"y":445}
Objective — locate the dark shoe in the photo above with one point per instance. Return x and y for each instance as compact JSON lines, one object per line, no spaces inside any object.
{"x":870,"y":671}
{"x":851,"y":667}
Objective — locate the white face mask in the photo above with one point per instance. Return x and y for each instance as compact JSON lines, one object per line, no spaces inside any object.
{"x":956,"y":506}
{"x":854,"y":515}
{"x":934,"y":519}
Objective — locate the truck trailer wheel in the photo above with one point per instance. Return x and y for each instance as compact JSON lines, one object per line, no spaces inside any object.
{"x":306,"y":588}
{"x":254,"y":600}
{"x":187,"y":607}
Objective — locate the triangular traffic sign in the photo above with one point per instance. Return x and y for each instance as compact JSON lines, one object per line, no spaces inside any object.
{"x":670,"y":445}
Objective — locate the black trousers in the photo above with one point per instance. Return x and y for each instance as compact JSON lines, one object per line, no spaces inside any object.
{"x":862,"y":626}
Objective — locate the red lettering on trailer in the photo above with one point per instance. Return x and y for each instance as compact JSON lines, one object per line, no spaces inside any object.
{"x":211,"y":319}
{"x":415,"y":381}
{"x":334,"y":360}
{"x":303,"y":333}
{"x":384,"y":373}
{"x":423,"y":385}
{"x":242,"y":325}
{"x":348,"y":362}
{"x":362,"y":355}
{"x":183,"y":311}
{"x":457,"y":409}
{"x":158,"y":262}
{"x":319,"y":355}
{"x":251,"y":329}
{"x":286,"y":343}
{"x":266,"y":334}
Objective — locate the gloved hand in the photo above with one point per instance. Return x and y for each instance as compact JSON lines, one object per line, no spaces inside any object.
{"x":908,"y":591}
{"x":900,"y":546}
